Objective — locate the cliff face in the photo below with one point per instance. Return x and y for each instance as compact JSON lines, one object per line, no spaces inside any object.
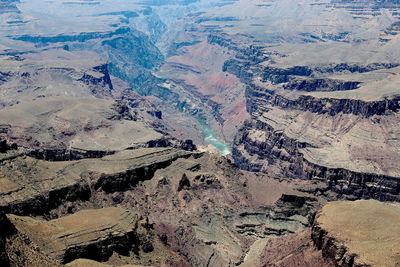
{"x":331,"y":106}
{"x":344,"y":233}
{"x":110,"y":229}
{"x":328,"y":118}
{"x":160,"y":192}
{"x":132,"y":56}
{"x":90,"y":169}
{"x":352,"y":233}
{"x":295,"y":249}
{"x":55,"y":73}
{"x":5,"y":226}
{"x":261,"y":147}
{"x":308,"y":125}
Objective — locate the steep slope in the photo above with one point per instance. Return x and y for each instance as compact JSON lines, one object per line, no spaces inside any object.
{"x":196,"y":208}
{"x":62,"y":125}
{"x":319,"y":113}
{"x":307,"y":129}
{"x":360,"y":233}
{"x":55,"y":73}
{"x":98,"y":97}
{"x":81,"y":234}
{"x":293,"y":250}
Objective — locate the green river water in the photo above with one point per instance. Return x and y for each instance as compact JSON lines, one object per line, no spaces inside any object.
{"x":212,"y":138}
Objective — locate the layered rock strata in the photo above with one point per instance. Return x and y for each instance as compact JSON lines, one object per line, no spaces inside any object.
{"x":310,"y":127}
{"x":86,"y":234}
{"x":360,"y":233}
{"x":66,"y":128}
{"x":30,"y":186}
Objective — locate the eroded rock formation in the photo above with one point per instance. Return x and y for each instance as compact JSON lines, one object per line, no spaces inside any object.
{"x":360,"y":233}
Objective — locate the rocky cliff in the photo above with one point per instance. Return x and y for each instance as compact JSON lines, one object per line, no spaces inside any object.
{"x":98,"y":97}
{"x":361,"y":233}
{"x":308,"y":125}
{"x":182,"y":200}
{"x":92,"y":234}
{"x":72,"y":181}
{"x":64,"y":132}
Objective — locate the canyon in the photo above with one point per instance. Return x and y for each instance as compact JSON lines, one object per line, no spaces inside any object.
{"x":199,"y":133}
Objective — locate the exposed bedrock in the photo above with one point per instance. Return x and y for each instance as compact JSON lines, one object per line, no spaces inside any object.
{"x":355,"y":68}
{"x":100,"y":82}
{"x":358,"y":234}
{"x":311,"y":85}
{"x":363,"y":233}
{"x":35,"y":76}
{"x":245,"y":66}
{"x":131,"y":58}
{"x":276,"y":138}
{"x":222,"y":40}
{"x":335,"y":106}
{"x":5,"y":146}
{"x":200,"y":208}
{"x":260,"y":147}
{"x":34,"y":187}
{"x":6,"y":229}
{"x":239,"y":69}
{"x":67,"y":154}
{"x":93,"y":234}
{"x":335,"y":122}
{"x":68,"y":128}
{"x":261,"y":99}
{"x":300,"y":79}
{"x":293,"y":250}
{"x":72,"y":154}
{"x":142,"y":169}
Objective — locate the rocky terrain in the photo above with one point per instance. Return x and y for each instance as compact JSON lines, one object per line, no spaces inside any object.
{"x":211,"y":211}
{"x":199,"y":133}
{"x":348,"y":232}
{"x":319,"y":114}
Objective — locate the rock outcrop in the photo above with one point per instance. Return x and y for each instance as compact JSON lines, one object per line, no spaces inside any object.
{"x":62,"y":128}
{"x":54,"y":73}
{"x":92,"y":234}
{"x":293,"y":250}
{"x":360,"y":233}
{"x":187,"y":200}
{"x":325,"y":113}
{"x":34,"y":187}
{"x":92,"y":174}
{"x":6,"y":229}
{"x":92,"y":263}
{"x":271,"y":145}
{"x":308,"y":125}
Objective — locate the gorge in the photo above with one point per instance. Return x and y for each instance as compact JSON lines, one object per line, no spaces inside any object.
{"x":199,"y":133}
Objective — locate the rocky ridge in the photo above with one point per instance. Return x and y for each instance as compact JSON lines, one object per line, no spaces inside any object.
{"x":309,"y":125}
{"x":87,"y":164}
{"x":204,"y":202}
{"x":25,"y":193}
{"x":352,"y":240}
{"x":78,"y":236}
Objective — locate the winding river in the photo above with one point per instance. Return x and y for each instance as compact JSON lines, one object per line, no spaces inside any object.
{"x":210,"y":137}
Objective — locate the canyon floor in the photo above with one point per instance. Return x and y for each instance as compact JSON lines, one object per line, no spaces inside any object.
{"x":199,"y":133}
